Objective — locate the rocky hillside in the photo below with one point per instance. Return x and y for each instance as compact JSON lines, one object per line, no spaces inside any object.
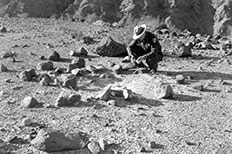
{"x":199,"y":16}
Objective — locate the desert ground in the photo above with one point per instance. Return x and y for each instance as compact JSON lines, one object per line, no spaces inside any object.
{"x":193,"y":121}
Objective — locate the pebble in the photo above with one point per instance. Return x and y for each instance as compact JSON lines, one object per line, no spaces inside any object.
{"x":55,"y":56}
{"x":45,"y":66}
{"x":26,"y":122}
{"x":29,"y":102}
{"x":180,"y":79}
{"x":94,"y":147}
{"x":3,"y":68}
{"x":112,"y":103}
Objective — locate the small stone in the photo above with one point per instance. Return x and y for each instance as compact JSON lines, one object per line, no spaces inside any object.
{"x":42,"y":57}
{"x":3,"y":29}
{"x":29,"y":102}
{"x":102,"y":143}
{"x":25,"y":76}
{"x":111,"y":64}
{"x":117,"y":69}
{"x":26,"y":122}
{"x":112,"y":103}
{"x":45,"y":66}
{"x":55,"y":56}
{"x":185,"y":51}
{"x":105,"y":93}
{"x":8,"y":81}
{"x":2,"y":143}
{"x":94,"y":147}
{"x":99,"y":67}
{"x":7,"y":54}
{"x":83,"y":51}
{"x":143,"y":149}
{"x":154,"y":145}
{"x":3,"y":68}
{"x":127,"y":94}
{"x":180,"y":79}
{"x":73,"y":53}
{"x":70,"y":83}
{"x":197,"y":86}
{"x":126,"y":59}
{"x":78,"y":62}
{"x":163,"y":91}
{"x":91,"y":68}
{"x":67,"y":99}
{"x":43,"y":82}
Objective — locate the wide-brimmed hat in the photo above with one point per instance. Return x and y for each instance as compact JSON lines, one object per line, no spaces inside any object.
{"x":139,"y":31}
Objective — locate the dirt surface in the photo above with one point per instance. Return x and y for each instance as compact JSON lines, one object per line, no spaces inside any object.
{"x":197,"y":122}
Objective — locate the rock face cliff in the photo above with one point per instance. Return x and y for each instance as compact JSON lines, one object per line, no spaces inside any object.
{"x":199,"y":16}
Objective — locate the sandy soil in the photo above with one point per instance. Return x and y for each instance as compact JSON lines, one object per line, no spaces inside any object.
{"x":194,"y":122}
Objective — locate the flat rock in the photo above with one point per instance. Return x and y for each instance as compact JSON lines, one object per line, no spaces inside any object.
{"x":94,"y":147}
{"x":3,"y":68}
{"x":54,"y":141}
{"x":29,"y":102}
{"x":55,"y":56}
{"x":109,"y":47}
{"x":45,"y":66}
{"x":66,"y":99}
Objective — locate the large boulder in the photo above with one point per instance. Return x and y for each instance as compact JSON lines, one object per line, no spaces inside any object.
{"x":109,"y":47}
{"x":54,"y":141}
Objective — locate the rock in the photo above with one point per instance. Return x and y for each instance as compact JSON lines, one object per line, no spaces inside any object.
{"x":163,"y":91}
{"x":8,"y":81}
{"x":94,"y":147}
{"x":143,"y":149}
{"x":126,"y":59}
{"x":44,"y":82}
{"x":127,"y":94}
{"x":42,"y":57}
{"x":78,"y":63}
{"x":70,"y":83}
{"x":45,"y":66}
{"x":154,"y":145}
{"x":109,"y":47}
{"x":55,"y":56}
{"x":7,"y":54}
{"x":105,"y":93}
{"x":29,"y":102}
{"x":26,"y":122}
{"x":3,"y":68}
{"x":197,"y":86}
{"x":180,"y":79}
{"x":79,"y":71}
{"x":3,"y":29}
{"x":91,"y":68}
{"x":25,"y":76}
{"x":185,"y":51}
{"x":117,"y":69}
{"x":112,"y":103}
{"x":102,"y":143}
{"x":66,"y":99}
{"x":2,"y":143}
{"x":82,"y":52}
{"x":73,"y":53}
{"x":54,"y":141}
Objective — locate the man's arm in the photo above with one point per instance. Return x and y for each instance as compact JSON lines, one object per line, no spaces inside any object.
{"x":132,"y":43}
